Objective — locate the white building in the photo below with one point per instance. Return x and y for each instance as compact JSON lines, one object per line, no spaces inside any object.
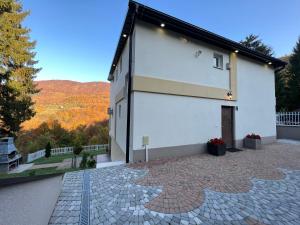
{"x":174,"y":86}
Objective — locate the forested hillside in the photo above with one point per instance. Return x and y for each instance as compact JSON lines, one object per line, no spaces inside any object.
{"x":70,"y":103}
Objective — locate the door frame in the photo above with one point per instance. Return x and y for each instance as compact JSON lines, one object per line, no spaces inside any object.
{"x":232,"y":122}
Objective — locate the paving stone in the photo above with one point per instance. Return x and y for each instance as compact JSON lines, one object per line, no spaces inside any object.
{"x":247,"y":188}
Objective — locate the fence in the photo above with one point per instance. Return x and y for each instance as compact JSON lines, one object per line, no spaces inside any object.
{"x":36,"y":155}
{"x":64,"y":150}
{"x":288,"y":125}
{"x":288,"y":119}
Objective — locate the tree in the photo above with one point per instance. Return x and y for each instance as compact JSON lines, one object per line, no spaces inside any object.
{"x":255,"y":43}
{"x":76,"y":151}
{"x":294,"y":81}
{"x":48,"y":150}
{"x":16,"y":68}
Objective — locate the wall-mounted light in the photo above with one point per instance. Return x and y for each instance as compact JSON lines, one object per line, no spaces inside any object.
{"x":162,"y":25}
{"x":124,"y":35}
{"x":236,"y":51}
{"x":114,"y":65}
{"x":229,"y":95}
{"x":270,"y":63}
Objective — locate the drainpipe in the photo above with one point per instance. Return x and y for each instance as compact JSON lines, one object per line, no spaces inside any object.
{"x":129,"y":90}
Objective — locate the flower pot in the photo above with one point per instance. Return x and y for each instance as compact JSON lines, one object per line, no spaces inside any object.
{"x":252,"y":143}
{"x":216,"y":149}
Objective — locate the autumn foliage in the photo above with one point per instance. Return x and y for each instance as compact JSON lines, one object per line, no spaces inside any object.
{"x":70,"y":103}
{"x":68,"y":113}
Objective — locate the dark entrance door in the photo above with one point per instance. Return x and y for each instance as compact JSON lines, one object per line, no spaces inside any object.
{"x":227,"y":125}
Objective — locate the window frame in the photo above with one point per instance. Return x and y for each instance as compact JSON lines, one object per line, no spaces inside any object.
{"x":218,"y":61}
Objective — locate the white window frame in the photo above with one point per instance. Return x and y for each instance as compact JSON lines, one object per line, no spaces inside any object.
{"x":117,"y":72}
{"x":120,"y":64}
{"x":218,"y":60}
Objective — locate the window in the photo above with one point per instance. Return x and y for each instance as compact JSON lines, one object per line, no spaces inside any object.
{"x":117,"y":73}
{"x":119,"y":111}
{"x":120,"y":64}
{"x":218,"y":61}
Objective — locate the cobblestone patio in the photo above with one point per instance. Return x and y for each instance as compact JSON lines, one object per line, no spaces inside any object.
{"x":248,"y":187}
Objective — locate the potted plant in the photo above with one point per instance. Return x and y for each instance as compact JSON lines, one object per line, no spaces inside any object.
{"x":252,"y":141}
{"x":216,"y":146}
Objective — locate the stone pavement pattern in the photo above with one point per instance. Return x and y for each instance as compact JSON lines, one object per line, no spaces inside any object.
{"x":184,"y":179}
{"x":117,"y":197}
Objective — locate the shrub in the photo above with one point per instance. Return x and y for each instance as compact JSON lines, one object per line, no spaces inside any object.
{"x":92,"y":162}
{"x":216,"y":141}
{"x":48,"y":150}
{"x":32,"y":173}
{"x":253,"y":136}
{"x":77,"y":149}
{"x":83,"y":162}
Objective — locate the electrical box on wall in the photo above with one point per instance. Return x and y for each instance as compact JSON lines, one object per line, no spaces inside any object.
{"x":145,"y":140}
{"x":228,"y":66}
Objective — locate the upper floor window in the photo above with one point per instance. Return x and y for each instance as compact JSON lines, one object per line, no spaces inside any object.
{"x":218,"y":61}
{"x":120,"y":111}
{"x":117,"y":73}
{"x":120,"y":64}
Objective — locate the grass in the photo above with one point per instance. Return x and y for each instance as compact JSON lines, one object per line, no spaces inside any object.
{"x":34,"y":172}
{"x":60,"y":158}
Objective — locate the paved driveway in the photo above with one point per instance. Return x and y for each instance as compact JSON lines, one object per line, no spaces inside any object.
{"x":29,"y":203}
{"x":248,"y":187}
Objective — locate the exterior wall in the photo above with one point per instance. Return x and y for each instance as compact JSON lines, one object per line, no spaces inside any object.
{"x":118,"y":93}
{"x":256,"y":99}
{"x":288,"y":132}
{"x":172,"y":120}
{"x":166,"y":55}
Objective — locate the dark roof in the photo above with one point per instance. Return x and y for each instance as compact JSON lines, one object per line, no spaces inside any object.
{"x":147,"y":14}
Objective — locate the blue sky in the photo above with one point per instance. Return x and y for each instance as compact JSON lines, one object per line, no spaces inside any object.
{"x":76,"y":39}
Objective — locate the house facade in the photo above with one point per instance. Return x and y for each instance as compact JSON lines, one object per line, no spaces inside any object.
{"x":174,"y":86}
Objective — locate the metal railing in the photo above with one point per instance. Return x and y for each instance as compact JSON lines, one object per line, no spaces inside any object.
{"x":288,"y":119}
{"x":64,"y":150}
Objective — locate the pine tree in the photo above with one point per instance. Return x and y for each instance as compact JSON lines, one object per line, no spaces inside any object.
{"x":16,"y":68}
{"x":253,"y":42}
{"x":294,"y":81}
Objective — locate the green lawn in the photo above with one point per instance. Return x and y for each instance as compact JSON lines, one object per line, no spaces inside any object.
{"x":43,"y":171}
{"x":60,"y":158}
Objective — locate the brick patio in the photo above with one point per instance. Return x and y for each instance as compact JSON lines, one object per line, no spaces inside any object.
{"x":248,"y":187}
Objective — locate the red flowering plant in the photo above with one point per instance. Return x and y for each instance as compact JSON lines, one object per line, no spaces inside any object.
{"x":216,"y":141}
{"x":253,"y":136}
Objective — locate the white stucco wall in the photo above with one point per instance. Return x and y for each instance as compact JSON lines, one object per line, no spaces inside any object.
{"x":256,"y":99}
{"x":164,"y":54}
{"x":171,"y":120}
{"x":118,"y":124}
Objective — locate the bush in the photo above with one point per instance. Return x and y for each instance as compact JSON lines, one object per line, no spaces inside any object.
{"x":77,"y":149}
{"x":253,"y":136}
{"x":32,"y":173}
{"x":216,"y":141}
{"x":48,"y":150}
{"x":92,"y":162}
{"x":83,"y":162}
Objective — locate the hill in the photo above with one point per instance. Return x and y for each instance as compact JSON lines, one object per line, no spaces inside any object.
{"x":71,"y":103}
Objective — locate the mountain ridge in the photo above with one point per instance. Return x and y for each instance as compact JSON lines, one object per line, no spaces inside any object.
{"x":72,"y":103}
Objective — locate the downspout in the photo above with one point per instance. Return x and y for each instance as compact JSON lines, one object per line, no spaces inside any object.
{"x":129,"y":90}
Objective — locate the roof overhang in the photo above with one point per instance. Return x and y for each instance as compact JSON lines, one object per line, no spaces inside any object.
{"x":147,"y":14}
